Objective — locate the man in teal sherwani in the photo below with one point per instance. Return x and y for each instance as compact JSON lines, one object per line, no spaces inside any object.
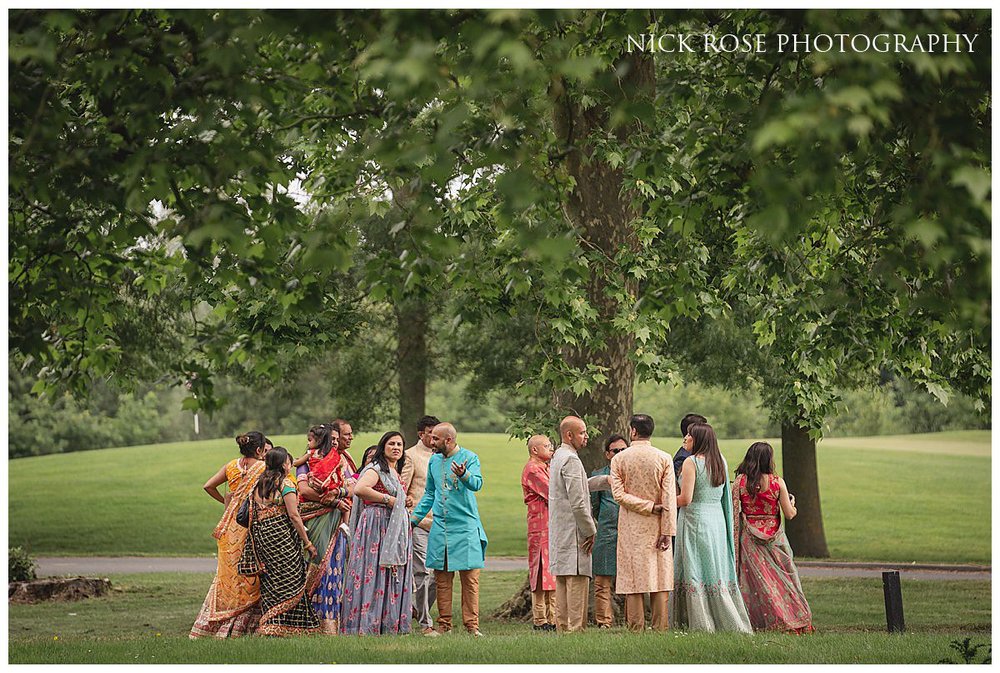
{"x":457,"y":540}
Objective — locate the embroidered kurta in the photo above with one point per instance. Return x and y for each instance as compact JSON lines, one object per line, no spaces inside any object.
{"x":456,"y":528}
{"x":570,"y":520}
{"x":605,"y":511}
{"x":535,"y":484}
{"x":642,"y":476}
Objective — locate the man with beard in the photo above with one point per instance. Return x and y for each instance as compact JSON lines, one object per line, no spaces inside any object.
{"x":642,"y":483}
{"x":457,"y":541}
{"x":414,"y":478}
{"x":571,"y":527}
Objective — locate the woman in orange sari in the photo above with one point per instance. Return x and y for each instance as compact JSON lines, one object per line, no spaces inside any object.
{"x":231,"y":608}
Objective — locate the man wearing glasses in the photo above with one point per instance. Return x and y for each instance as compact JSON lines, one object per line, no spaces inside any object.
{"x":605,"y":512}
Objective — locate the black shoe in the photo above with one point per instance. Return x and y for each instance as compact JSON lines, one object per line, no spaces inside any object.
{"x":548,"y":627}
{"x":539,"y":627}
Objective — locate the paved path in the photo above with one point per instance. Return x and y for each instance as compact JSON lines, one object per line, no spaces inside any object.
{"x":98,"y":565}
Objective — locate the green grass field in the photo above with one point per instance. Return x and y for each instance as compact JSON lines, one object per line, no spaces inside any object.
{"x":147,"y":617}
{"x":900,"y":498}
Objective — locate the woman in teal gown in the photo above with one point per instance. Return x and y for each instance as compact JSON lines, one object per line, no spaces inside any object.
{"x":707,"y":595}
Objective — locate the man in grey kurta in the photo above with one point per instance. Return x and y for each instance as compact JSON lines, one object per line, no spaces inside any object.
{"x":571,"y":527}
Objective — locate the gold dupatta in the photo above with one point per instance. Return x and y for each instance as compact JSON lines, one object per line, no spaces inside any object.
{"x":232,"y":593}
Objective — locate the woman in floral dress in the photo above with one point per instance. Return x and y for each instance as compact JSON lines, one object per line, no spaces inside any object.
{"x":379,"y":574}
{"x":768,"y":578}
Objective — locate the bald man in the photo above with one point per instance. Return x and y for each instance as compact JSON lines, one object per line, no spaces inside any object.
{"x":457,"y":541}
{"x":571,"y":526}
{"x":535,"y":484}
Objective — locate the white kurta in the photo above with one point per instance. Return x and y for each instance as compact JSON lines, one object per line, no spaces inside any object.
{"x":570,"y":520}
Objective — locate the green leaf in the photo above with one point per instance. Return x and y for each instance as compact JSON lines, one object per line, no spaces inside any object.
{"x":976,"y":180}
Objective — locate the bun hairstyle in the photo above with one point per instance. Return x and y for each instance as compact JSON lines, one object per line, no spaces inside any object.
{"x":250,"y":443}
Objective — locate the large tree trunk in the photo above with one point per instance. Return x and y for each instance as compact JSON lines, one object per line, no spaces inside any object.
{"x":411,"y":363}
{"x":602,"y":213}
{"x":798,"y":457}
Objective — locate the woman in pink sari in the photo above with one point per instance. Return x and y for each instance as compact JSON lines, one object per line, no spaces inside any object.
{"x":766,"y":571}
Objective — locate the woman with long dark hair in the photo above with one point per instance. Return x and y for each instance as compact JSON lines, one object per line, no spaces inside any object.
{"x":324,"y":485}
{"x":231,"y":606}
{"x":377,"y":592}
{"x":765,"y":567}
{"x":273,"y":551}
{"x":707,"y":595}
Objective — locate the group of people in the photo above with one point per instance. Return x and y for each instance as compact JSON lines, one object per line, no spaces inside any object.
{"x":647,"y":524}
{"x":319,"y":544}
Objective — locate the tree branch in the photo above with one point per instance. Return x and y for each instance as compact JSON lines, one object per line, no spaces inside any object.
{"x":373,"y":112}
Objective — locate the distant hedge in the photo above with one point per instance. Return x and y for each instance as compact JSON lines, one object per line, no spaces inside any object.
{"x":110,"y":418}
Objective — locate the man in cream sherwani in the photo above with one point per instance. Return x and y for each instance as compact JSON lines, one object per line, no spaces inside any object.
{"x":642,"y":483}
{"x":571,"y":527}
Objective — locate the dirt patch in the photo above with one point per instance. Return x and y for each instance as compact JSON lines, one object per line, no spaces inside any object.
{"x":57,"y":589}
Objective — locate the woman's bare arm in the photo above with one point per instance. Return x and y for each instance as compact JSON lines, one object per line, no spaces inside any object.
{"x":365,"y":489}
{"x":212,"y":485}
{"x":292,"y":507}
{"x":687,"y":482}
{"x":786,"y":500}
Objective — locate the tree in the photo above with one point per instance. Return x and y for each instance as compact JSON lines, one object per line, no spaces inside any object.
{"x":536,"y":169}
{"x":145,"y":107}
{"x":829,"y":274}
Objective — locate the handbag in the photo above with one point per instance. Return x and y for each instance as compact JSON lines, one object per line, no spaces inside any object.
{"x":243,"y":515}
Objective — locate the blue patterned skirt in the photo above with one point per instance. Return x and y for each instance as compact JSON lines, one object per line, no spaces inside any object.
{"x":325,"y":581}
{"x":376,"y":600}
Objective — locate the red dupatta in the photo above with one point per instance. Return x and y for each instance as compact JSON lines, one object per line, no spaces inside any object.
{"x":323,"y":473}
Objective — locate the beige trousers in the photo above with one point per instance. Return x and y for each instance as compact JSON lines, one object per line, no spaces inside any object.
{"x":635,"y":614}
{"x":571,"y":602}
{"x":445,"y":582}
{"x":602,"y":599}
{"x":543,"y":607}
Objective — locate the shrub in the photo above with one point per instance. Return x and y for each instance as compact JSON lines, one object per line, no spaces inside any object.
{"x":22,"y":566}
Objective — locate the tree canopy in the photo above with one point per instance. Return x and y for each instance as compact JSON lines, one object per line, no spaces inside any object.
{"x":517,"y":167}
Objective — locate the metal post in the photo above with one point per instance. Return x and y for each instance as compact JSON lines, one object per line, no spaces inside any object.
{"x":893,"y":601}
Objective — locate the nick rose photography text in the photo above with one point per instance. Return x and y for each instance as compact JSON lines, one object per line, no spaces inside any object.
{"x":758,"y":43}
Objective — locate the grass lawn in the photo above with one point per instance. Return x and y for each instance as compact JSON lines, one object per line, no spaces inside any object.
{"x":900,"y":498}
{"x":147,"y":617}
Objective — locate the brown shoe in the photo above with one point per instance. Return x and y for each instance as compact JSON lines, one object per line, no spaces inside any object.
{"x":430,"y":633}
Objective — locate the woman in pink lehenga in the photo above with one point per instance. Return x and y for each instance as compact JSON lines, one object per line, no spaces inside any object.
{"x":766,"y":570}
